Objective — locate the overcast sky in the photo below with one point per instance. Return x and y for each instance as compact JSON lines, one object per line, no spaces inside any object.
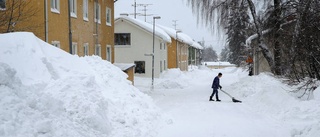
{"x":170,"y":10}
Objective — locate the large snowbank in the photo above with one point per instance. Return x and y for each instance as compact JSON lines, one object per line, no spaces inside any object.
{"x":49,"y":93}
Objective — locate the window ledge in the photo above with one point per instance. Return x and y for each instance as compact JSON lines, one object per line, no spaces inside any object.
{"x":85,"y":19}
{"x":55,"y":11}
{"x":108,"y":24}
{"x":73,"y":15}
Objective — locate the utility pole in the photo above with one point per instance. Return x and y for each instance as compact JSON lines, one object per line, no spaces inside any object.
{"x":175,"y":24}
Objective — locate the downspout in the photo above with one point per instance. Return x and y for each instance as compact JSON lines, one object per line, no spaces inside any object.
{"x":46,"y":20}
{"x":97,"y":23}
{"x":70,"y":33}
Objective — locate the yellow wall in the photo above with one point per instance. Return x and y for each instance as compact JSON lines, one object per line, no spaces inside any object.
{"x":82,"y":31}
{"x":130,"y":73}
{"x":172,"y":54}
{"x":178,"y":56}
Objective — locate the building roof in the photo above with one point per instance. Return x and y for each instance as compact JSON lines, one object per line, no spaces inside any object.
{"x":146,"y":26}
{"x":124,"y":66}
{"x":182,"y":37}
{"x":218,"y":64}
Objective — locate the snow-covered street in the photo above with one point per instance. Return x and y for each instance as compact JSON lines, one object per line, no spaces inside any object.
{"x":190,"y":113}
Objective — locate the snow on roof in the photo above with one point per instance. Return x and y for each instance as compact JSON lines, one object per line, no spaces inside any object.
{"x":147,"y":26}
{"x":124,"y":66}
{"x":196,"y":45}
{"x":218,"y":63}
{"x":182,"y":37}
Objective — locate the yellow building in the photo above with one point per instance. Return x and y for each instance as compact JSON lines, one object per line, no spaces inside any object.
{"x":87,"y":30}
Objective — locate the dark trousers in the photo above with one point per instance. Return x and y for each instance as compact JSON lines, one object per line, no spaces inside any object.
{"x":215,"y":91}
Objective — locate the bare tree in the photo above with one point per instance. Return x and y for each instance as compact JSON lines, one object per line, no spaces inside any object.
{"x":219,"y":10}
{"x":15,"y":12}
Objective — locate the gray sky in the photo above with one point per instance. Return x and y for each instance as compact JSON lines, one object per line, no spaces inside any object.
{"x":170,"y":10}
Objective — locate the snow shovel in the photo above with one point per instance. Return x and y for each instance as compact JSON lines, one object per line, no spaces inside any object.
{"x":233,"y":99}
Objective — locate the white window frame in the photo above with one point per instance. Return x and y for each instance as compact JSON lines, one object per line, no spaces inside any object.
{"x":5,"y":6}
{"x":86,"y":10}
{"x":73,"y":8}
{"x":56,"y":44}
{"x":97,"y":12}
{"x":108,"y":16}
{"x":74,"y":48}
{"x":86,"y":49}
{"x":55,"y":6}
{"x":109,"y":53}
{"x":96,"y":48}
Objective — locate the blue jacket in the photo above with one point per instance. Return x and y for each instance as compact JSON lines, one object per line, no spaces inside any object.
{"x":216,"y":83}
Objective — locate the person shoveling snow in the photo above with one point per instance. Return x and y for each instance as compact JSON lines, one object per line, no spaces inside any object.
{"x":215,"y":86}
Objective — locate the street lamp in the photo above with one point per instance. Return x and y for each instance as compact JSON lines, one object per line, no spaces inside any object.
{"x":177,"y":31}
{"x":153,"y":35}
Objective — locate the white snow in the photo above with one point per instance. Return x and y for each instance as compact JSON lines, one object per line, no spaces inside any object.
{"x":268,"y":110}
{"x":148,"y":27}
{"x":47,"y":92}
{"x":182,"y":37}
{"x":218,"y":63}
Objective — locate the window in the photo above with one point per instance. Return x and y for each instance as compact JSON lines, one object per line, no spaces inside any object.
{"x":140,"y":67}
{"x":2,"y":4}
{"x":108,"y":16}
{"x":160,"y":66}
{"x":164,"y":65}
{"x":55,"y":6}
{"x":73,"y":8}
{"x":85,"y":10}
{"x":97,"y":50}
{"x":86,"y":49}
{"x":122,"y":39}
{"x":109,"y":53}
{"x":162,"y":45}
{"x":56,"y":44}
{"x":74,"y":48}
{"x":97,"y":10}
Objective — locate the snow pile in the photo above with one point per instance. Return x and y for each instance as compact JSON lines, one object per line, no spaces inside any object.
{"x":172,"y":79}
{"x":270,"y":96}
{"x":49,"y":93}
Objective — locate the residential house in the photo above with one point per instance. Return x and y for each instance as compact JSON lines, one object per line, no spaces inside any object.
{"x":134,"y":44}
{"x":195,"y":54}
{"x":182,"y":45}
{"x":87,"y":30}
{"x":218,"y":65}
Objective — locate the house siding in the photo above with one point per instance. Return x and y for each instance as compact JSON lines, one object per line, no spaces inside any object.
{"x":141,"y":44}
{"x":172,"y":54}
{"x":82,"y":31}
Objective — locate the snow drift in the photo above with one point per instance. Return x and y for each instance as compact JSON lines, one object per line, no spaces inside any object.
{"x":49,"y":93}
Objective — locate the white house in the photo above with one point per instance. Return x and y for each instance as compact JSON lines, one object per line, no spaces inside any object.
{"x":134,"y":44}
